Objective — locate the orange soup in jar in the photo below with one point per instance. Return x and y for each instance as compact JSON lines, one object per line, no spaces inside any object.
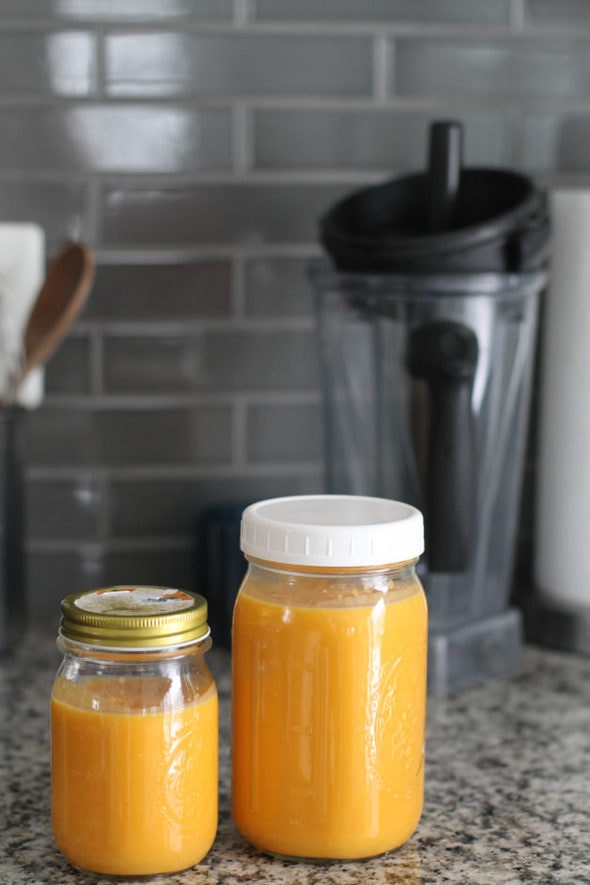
{"x":134,"y":732}
{"x":329,"y":655}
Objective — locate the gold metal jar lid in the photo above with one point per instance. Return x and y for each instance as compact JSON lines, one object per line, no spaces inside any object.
{"x":134,"y":617}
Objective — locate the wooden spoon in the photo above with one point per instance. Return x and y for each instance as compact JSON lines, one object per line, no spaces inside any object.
{"x":62,"y":295}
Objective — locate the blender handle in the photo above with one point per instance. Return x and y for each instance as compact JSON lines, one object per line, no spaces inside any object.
{"x":445,"y":353}
{"x":450,"y":497}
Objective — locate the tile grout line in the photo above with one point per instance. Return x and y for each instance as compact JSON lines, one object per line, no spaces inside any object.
{"x":306,"y":102}
{"x":96,"y":360}
{"x":158,"y":543}
{"x":238,"y":286}
{"x":100,"y":71}
{"x":158,"y":472}
{"x":115,"y":402}
{"x":242,"y":138}
{"x":242,"y":21}
{"x":240,"y":435}
{"x":382,"y":70}
{"x":518,"y":16}
{"x":518,"y":139}
{"x":243,"y":12}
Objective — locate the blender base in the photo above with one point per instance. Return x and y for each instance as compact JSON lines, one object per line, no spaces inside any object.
{"x":469,"y":654}
{"x":559,"y":625}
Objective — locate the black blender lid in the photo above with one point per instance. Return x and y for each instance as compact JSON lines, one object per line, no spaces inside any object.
{"x":446,"y":219}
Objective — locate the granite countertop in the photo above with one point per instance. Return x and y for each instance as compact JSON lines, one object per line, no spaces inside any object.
{"x":507,"y":786}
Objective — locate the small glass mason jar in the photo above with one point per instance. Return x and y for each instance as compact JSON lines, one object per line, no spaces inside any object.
{"x":134,"y":755}
{"x":329,"y":652}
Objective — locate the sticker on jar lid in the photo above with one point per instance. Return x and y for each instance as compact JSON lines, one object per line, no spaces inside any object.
{"x":135,"y":601}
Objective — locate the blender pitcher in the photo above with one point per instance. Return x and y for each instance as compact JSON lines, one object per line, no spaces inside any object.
{"x":427,"y":320}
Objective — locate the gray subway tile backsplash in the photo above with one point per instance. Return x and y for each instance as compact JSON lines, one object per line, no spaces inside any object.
{"x":427,"y":11}
{"x":121,"y":138}
{"x":382,"y":139}
{"x":556,"y":142}
{"x":211,"y":361}
{"x":68,"y":372}
{"x":194,"y":435}
{"x":46,"y":63}
{"x":168,"y":566}
{"x":86,"y":565}
{"x":550,"y":13}
{"x":181,"y":11}
{"x":195,"y":147}
{"x":171,"y":63}
{"x":277,"y":287}
{"x":62,"y":208}
{"x":58,"y":437}
{"x":272,"y":432}
{"x":141,"y":290}
{"x":154,"y":507}
{"x":171,"y":507}
{"x":78,"y":501}
{"x":236,"y":213}
{"x":515,"y":69}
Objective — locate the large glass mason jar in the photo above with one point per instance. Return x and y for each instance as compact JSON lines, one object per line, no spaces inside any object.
{"x":329,"y":677}
{"x":134,"y":758}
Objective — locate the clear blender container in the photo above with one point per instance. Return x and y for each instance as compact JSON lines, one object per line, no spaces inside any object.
{"x":427,"y":366}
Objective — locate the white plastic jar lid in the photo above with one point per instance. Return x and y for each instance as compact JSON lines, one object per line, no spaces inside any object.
{"x":332,"y":531}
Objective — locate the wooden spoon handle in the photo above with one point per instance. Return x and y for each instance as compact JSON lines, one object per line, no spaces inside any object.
{"x":64,"y":292}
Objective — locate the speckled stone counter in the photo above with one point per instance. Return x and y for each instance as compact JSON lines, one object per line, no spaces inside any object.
{"x":507,"y":795}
